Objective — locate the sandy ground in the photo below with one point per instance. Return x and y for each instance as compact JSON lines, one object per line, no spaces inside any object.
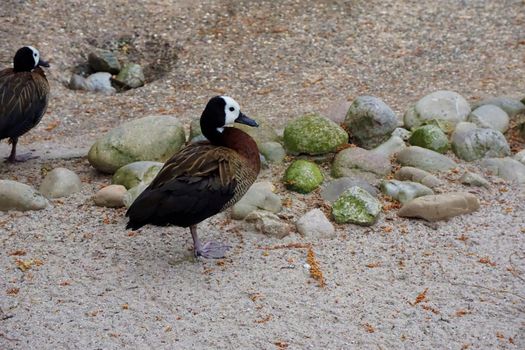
{"x":399,"y":284}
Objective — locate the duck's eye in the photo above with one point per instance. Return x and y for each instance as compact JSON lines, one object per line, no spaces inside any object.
{"x":232,"y":109}
{"x":34,"y":54}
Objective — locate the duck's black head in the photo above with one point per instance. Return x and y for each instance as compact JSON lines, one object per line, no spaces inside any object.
{"x":26,"y":59}
{"x":222,"y":111}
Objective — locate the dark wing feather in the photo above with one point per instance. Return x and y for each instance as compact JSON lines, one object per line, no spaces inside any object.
{"x":193,"y":185}
{"x":23,"y":101}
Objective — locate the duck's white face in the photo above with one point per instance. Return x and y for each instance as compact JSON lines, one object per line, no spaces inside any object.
{"x":36,"y":54}
{"x":231,"y":110}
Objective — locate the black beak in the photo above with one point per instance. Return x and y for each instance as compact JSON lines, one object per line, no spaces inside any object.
{"x":43,"y":63}
{"x":243,"y":119}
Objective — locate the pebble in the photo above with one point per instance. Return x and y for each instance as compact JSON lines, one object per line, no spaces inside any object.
{"x":402,"y":133}
{"x":272,"y":151}
{"x":111,"y":196}
{"x":440,"y":206}
{"x":21,"y":197}
{"x":404,"y":191}
{"x":473,"y":179}
{"x":418,"y":175}
{"x":131,"y":76}
{"x":520,"y":156}
{"x":60,"y":182}
{"x":267,"y":223}
{"x":393,"y":145}
{"x":104,"y":61}
{"x":315,"y":224}
{"x":100,"y":82}
{"x":359,"y":162}
{"x":259,"y":196}
{"x":335,"y":188}
{"x":425,"y":159}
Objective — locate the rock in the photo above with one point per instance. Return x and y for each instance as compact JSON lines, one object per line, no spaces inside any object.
{"x":130,"y":143}
{"x":60,"y":182}
{"x":131,"y":76}
{"x":130,"y":175}
{"x":392,"y":146}
{"x":520,"y":156}
{"x":404,"y":134}
{"x":18,"y":196}
{"x":473,"y":179}
{"x":273,"y":152}
{"x":259,"y":196}
{"x":441,"y":206}
{"x":133,"y":193}
{"x":506,"y":168}
{"x":356,"y":206}
{"x":335,"y":188}
{"x":510,"y":105}
{"x":337,"y":111}
{"x":195,"y":128}
{"x":267,"y":223}
{"x":430,"y":137}
{"x":314,"y":224}
{"x":359,"y":162}
{"x":404,"y":191}
{"x":313,"y":134}
{"x":78,"y":82}
{"x":83,"y":69}
{"x":370,"y":121}
{"x":414,"y":174}
{"x":425,"y":159}
{"x":111,"y":196}
{"x":261,"y":134}
{"x":443,"y":108}
{"x":303,"y":176}
{"x":470,"y":142}
{"x":100,"y":82}
{"x":104,"y":61}
{"x":490,"y":116}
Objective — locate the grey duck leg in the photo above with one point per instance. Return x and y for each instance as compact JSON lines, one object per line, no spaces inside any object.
{"x":210,"y":250}
{"x":21,"y":158}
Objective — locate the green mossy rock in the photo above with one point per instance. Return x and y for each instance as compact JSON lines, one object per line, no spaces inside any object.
{"x":131,"y":76}
{"x":430,"y":137}
{"x":303,"y":176}
{"x":356,"y":206}
{"x":314,"y":135}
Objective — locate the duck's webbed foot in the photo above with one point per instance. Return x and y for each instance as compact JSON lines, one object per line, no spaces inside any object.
{"x":209,"y":250}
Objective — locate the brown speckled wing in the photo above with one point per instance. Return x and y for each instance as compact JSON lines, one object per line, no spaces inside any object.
{"x":23,"y":101}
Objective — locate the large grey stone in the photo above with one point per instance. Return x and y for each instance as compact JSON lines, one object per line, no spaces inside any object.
{"x":100,"y":82}
{"x":470,"y":142}
{"x":259,"y":197}
{"x":21,"y":197}
{"x":265,"y":132}
{"x":520,"y":156}
{"x":510,"y":105}
{"x":133,"y":193}
{"x":404,"y":191}
{"x":60,"y":182}
{"x":370,"y":121}
{"x":314,"y":224}
{"x":130,"y":175}
{"x":490,"y":116}
{"x":441,"y":206}
{"x":335,"y":188}
{"x":425,"y":159}
{"x":361,"y":163}
{"x":356,"y":206}
{"x":154,"y":138}
{"x":418,"y":175}
{"x":314,"y":135}
{"x":506,"y":168}
{"x":272,"y":151}
{"x":443,"y":108}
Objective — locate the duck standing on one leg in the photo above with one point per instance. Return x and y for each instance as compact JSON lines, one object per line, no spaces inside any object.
{"x":202,"y":179}
{"x":24,"y":93}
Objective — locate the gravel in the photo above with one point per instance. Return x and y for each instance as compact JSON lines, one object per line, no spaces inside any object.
{"x":94,"y":284}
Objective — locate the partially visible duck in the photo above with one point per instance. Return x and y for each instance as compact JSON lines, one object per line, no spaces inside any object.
{"x":202,"y":179}
{"x":24,"y":93}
